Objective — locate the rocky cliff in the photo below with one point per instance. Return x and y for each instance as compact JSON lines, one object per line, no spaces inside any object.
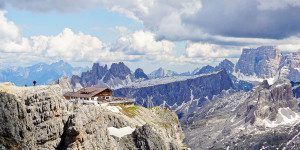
{"x":229,"y":67}
{"x":182,"y":94}
{"x":290,"y":67}
{"x":266,"y":117}
{"x":269,"y":63}
{"x":262,"y":62}
{"x":40,"y":118}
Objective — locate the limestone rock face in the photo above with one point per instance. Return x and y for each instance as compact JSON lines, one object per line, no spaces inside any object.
{"x":143,"y":134}
{"x":32,"y":118}
{"x":40,"y":118}
{"x":182,"y":96}
{"x":290,"y":67}
{"x":262,"y":62}
{"x":270,"y":99}
{"x":67,"y":84}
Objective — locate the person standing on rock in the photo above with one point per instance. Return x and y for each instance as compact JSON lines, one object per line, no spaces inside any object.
{"x":34,"y":82}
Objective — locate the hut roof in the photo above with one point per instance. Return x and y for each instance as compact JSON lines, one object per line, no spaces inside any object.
{"x":88,"y":92}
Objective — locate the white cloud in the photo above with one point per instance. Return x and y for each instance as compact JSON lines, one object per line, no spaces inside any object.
{"x":7,"y":28}
{"x":11,"y":39}
{"x":70,"y":46}
{"x":210,"y":50}
{"x":143,"y":43}
{"x":77,"y":47}
{"x":277,"y":4}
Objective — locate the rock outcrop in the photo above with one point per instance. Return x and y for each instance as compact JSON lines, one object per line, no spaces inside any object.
{"x":290,"y":67}
{"x":265,"y":117}
{"x":40,"y":118}
{"x":32,"y":117}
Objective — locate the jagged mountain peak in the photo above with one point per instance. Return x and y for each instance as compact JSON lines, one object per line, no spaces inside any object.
{"x":226,"y":64}
{"x":206,"y":69}
{"x":139,"y":74}
{"x":117,"y":70}
{"x":162,"y":72}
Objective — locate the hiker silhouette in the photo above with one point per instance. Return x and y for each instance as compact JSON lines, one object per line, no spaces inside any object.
{"x":34,"y":82}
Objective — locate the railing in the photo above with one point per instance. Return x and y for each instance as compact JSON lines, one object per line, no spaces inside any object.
{"x":101,"y":101}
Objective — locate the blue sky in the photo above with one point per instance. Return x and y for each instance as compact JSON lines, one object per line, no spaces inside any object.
{"x":99,"y":22}
{"x":177,"y":35}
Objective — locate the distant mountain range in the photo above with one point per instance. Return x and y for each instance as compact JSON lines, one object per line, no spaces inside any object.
{"x":42,"y":73}
{"x":162,"y":72}
{"x":254,"y":66}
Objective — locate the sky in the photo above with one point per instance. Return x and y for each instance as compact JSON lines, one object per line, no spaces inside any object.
{"x":179,"y":35}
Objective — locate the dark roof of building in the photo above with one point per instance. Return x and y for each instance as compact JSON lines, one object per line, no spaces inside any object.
{"x":68,"y":93}
{"x":88,"y":92}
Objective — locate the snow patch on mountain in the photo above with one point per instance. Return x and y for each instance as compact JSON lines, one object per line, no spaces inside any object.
{"x":120,"y":132}
{"x":285,"y":116}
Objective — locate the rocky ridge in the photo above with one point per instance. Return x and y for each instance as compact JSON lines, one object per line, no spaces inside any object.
{"x":40,"y":118}
{"x":183,"y":95}
{"x":229,"y":67}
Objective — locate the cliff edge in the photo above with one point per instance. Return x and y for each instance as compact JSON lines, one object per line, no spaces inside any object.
{"x":40,"y":118}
